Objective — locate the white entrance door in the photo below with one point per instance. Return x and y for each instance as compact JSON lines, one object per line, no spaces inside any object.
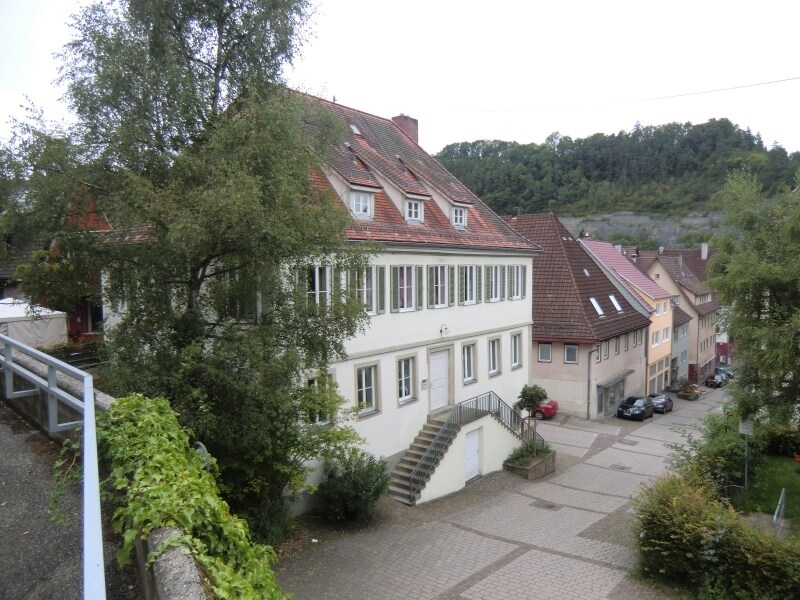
{"x":438,"y":377}
{"x":472,"y":464}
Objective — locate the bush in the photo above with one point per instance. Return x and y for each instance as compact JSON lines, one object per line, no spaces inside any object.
{"x":779,"y":439}
{"x":686,"y":534}
{"x":351,"y":485}
{"x":531,"y":397}
{"x":523,"y":455}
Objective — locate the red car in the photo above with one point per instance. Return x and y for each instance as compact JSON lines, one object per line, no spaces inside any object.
{"x":546,"y":410}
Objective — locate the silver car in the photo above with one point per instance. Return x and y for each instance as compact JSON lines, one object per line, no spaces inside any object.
{"x":661,"y":402}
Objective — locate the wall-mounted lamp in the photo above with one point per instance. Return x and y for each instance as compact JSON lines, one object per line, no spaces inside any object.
{"x":443,"y":329}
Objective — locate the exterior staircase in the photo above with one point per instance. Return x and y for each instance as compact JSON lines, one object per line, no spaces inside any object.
{"x":400,"y":482}
{"x":415,"y":469}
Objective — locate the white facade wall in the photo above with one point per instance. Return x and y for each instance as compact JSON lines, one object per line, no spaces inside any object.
{"x":392,"y":336}
{"x":496,"y":443}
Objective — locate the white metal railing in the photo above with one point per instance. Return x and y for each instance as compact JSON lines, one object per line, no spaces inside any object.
{"x":94,"y":585}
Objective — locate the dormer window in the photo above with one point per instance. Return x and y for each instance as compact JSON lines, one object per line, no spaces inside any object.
{"x":413,"y":211}
{"x":459,"y":217}
{"x":361,"y":204}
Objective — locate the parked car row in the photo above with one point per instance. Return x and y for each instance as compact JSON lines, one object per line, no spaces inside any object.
{"x":635,"y":407}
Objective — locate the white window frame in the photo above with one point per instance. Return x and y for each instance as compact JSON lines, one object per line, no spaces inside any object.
{"x":459,"y":217}
{"x":318,"y":418}
{"x":516,"y":350}
{"x":665,"y":334}
{"x":405,"y":288}
{"x":319,"y":288}
{"x":597,"y":353}
{"x":549,"y":347}
{"x":406,"y":379}
{"x":516,"y":282}
{"x":367,"y":289}
{"x":495,"y":283}
{"x":655,"y":339}
{"x":470,"y":285}
{"x":361,"y":204}
{"x":658,"y":309}
{"x":494,"y":357}
{"x":414,"y":211}
{"x":625,"y":343}
{"x":606,"y":346}
{"x":567,"y":348}
{"x":468,"y":363}
{"x":616,"y":345}
{"x":440,"y":286}
{"x":367,"y":388}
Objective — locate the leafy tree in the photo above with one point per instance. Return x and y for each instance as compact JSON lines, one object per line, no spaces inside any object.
{"x":757,"y":275}
{"x":186,"y":141}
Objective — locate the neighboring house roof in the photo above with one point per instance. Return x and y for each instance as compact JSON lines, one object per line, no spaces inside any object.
{"x":634,"y":279}
{"x":679,"y":316}
{"x":377,"y":149}
{"x":564,"y":279}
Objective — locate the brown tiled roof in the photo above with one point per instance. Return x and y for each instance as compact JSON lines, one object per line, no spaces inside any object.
{"x":682,"y":274}
{"x":564,"y":279}
{"x":375,"y":147}
{"x":679,"y":316}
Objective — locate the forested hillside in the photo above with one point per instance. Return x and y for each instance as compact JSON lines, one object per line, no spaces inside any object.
{"x":669,"y":169}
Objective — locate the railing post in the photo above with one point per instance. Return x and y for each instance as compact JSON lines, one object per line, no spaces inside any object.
{"x":52,"y":401}
{"x":8,"y":370}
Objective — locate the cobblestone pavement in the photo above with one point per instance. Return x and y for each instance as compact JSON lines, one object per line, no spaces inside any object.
{"x":567,"y":537}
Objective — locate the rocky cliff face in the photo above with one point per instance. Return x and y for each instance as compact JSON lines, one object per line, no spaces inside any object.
{"x":666,"y":230}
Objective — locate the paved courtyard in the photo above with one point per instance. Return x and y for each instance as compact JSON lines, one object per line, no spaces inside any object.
{"x":565,"y":537}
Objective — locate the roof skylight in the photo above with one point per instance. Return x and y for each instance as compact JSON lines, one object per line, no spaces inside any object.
{"x":615,"y":302}
{"x":597,"y":306}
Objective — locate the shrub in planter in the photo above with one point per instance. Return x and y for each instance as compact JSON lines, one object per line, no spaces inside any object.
{"x":351,"y":485}
{"x":531,"y":397}
{"x":523,"y":455}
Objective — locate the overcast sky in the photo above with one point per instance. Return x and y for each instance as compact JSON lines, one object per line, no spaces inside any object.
{"x":503,"y":69}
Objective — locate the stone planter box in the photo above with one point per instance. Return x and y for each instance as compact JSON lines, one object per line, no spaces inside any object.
{"x":688,"y":395}
{"x":536,"y":469}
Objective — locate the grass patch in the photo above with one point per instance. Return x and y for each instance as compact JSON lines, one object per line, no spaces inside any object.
{"x":775,"y":473}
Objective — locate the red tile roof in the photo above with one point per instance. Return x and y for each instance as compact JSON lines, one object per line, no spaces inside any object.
{"x":633,"y":278}
{"x":564,"y":279}
{"x":375,"y":148}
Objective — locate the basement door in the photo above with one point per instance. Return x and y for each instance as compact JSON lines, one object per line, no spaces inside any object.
{"x":472,"y":463}
{"x":439,"y":384}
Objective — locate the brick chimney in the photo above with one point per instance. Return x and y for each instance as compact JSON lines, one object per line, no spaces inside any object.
{"x":408,"y":125}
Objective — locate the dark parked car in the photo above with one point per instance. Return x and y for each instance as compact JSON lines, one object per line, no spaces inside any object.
{"x":634,"y":407}
{"x":715,"y":381}
{"x":661,"y":402}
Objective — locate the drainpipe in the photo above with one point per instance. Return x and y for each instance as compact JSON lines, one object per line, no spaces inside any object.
{"x":589,"y":381}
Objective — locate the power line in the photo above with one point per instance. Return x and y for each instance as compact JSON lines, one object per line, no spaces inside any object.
{"x":727,"y":89}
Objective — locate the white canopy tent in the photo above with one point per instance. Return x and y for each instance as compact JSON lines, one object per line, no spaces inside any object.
{"x":33,"y":325}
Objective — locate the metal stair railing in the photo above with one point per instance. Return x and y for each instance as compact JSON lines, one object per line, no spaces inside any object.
{"x":463,"y":413}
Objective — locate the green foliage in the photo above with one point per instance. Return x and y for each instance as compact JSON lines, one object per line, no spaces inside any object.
{"x":687,"y":535}
{"x":187,"y":142}
{"x":642,"y":242}
{"x":669,"y":169}
{"x":530,"y":397}
{"x":779,"y":438}
{"x":757,"y":275}
{"x":774,"y":474}
{"x":523,"y":455}
{"x":157,"y":480}
{"x":717,"y":454}
{"x":352,"y":483}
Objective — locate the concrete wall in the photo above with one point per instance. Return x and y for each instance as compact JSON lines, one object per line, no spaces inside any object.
{"x":496,"y":443}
